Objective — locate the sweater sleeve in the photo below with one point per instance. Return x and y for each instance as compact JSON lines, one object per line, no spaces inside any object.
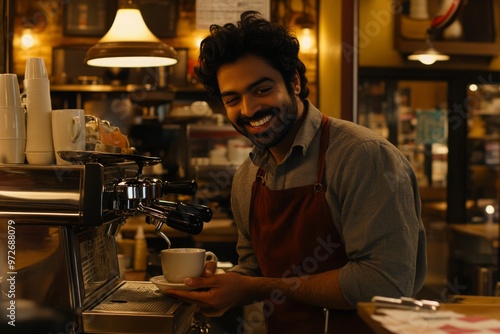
{"x":379,"y":211}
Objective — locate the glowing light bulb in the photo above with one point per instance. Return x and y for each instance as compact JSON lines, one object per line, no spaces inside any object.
{"x":27,"y":40}
{"x":490,"y":211}
{"x":307,"y":41}
{"x":427,"y":59}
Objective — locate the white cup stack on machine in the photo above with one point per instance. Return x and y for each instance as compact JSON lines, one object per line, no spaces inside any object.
{"x":39,"y":144}
{"x":12,"y":121}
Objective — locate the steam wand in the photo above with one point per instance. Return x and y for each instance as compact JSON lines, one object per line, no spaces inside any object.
{"x":158,"y":224}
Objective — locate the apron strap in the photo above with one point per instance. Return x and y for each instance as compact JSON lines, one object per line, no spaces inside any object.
{"x":259,"y":177}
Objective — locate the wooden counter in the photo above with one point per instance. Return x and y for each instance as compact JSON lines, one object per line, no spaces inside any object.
{"x":469,"y":305}
{"x":473,"y":255}
{"x":483,"y":231}
{"x":217,"y":230}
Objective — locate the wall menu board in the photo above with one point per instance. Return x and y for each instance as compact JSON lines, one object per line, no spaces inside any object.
{"x":161,"y":16}
{"x":84,"y":19}
{"x":223,"y":11}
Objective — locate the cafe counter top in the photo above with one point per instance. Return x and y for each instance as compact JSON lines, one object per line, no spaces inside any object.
{"x":487,"y":307}
{"x":483,"y":231}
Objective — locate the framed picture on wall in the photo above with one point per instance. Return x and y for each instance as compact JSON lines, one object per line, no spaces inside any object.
{"x":81,"y":18}
{"x":178,"y":72}
{"x":160,"y":16}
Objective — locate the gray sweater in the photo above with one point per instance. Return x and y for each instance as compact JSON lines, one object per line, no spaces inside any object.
{"x":374,"y":202}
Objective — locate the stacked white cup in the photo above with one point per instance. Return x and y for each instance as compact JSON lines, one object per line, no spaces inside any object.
{"x":12,"y":121}
{"x":68,"y":131}
{"x":39,"y":144}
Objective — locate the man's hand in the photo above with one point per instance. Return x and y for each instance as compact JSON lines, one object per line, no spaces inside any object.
{"x":210,"y":268}
{"x":215,"y":293}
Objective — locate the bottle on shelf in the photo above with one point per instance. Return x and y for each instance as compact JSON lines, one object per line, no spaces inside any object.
{"x":141,"y":250}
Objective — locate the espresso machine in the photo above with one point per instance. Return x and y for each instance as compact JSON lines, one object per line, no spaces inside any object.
{"x":57,"y":236}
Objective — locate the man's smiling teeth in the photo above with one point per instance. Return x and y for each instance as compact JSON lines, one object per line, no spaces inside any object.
{"x":261,"y":121}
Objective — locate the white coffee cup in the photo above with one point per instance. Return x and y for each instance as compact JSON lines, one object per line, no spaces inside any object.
{"x":238,"y":150}
{"x":39,"y":141}
{"x":10,"y":94}
{"x":12,"y":121}
{"x":35,"y":68}
{"x":68,"y":131}
{"x":12,"y":135}
{"x":180,"y":263}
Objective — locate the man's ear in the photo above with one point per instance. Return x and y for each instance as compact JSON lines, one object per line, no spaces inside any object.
{"x":296,"y":83}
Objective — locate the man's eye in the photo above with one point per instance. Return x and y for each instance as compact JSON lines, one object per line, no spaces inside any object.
{"x":231,"y":101}
{"x":263,"y":91}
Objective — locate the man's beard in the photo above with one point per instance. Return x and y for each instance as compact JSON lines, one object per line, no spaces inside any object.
{"x":273,"y":135}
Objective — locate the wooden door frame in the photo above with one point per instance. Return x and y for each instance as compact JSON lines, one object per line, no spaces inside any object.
{"x":6,"y":35}
{"x":349,"y":60}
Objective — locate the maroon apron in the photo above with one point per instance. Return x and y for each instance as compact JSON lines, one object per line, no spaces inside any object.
{"x":293,"y":234}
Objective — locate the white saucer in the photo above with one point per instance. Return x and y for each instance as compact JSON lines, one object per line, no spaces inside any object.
{"x":164,"y":285}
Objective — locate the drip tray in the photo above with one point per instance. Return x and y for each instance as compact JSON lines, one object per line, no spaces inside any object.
{"x":138,"y":307}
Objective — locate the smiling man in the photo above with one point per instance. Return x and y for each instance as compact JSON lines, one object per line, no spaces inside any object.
{"x":328,"y":212}
{"x":261,"y":107}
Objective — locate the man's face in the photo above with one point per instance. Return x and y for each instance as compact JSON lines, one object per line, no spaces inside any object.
{"x":257,"y":101}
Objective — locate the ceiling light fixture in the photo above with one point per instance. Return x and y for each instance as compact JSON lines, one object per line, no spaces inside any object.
{"x":451,"y":10}
{"x":428,"y":56}
{"x":129,"y":43}
{"x":306,"y":23}
{"x":307,"y":39}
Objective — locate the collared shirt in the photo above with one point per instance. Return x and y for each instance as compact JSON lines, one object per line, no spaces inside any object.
{"x":374,"y":202}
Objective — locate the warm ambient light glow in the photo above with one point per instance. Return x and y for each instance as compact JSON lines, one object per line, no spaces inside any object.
{"x":490,"y":209}
{"x":129,"y":43}
{"x":307,"y":40}
{"x":27,"y":39}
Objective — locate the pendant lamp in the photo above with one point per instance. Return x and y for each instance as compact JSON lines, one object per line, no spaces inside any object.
{"x":129,"y":43}
{"x":428,"y":56}
{"x":449,"y":12}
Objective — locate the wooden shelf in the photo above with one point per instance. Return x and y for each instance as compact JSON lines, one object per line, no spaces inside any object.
{"x":94,"y":88}
{"x":484,"y":167}
{"x":480,"y":112}
{"x":103,"y":88}
{"x":492,"y":137}
{"x":407,"y":45}
{"x":450,"y":47}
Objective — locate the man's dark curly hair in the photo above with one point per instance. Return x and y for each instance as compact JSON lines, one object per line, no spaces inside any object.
{"x":252,"y":35}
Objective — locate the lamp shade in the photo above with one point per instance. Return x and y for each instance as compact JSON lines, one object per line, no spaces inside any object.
{"x":429,"y":56}
{"x":129,"y":43}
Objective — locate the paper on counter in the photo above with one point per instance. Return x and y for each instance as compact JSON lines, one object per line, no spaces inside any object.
{"x":440,"y":322}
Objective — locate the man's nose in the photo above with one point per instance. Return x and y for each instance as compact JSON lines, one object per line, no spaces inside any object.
{"x":249,"y":106}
